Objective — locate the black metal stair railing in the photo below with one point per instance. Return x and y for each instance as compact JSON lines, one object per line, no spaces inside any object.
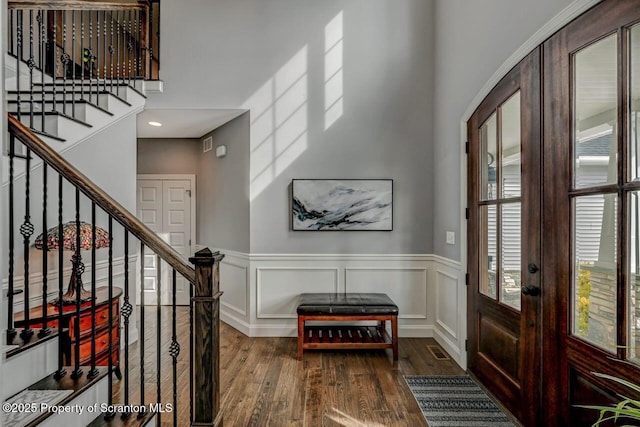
{"x":66,"y":53}
{"x":87,"y":322}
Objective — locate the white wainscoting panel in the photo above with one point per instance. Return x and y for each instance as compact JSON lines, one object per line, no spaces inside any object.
{"x":406,"y":286}
{"x":278,"y":288}
{"x":261,"y":291}
{"x":233,"y":282}
{"x":450,"y":329}
{"x":446,"y":302}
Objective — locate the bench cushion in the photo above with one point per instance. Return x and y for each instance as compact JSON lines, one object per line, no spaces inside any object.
{"x":346,"y":304}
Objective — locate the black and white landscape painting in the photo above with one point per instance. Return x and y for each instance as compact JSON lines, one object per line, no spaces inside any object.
{"x":325,"y":204}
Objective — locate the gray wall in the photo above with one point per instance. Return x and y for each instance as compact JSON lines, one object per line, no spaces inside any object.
{"x":473,"y":39}
{"x":270,"y":57}
{"x":223,"y":189}
{"x":168,"y":156}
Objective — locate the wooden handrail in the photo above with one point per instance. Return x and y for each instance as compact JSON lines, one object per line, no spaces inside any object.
{"x":79,"y":4}
{"x":101,"y":199}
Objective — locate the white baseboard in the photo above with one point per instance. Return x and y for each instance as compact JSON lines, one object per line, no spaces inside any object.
{"x":449,"y":346}
{"x":235,"y":323}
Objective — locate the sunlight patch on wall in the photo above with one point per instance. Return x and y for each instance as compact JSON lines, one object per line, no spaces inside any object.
{"x":279,"y":122}
{"x":333,"y":63}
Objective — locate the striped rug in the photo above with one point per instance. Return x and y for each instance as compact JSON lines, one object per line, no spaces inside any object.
{"x":448,"y":401}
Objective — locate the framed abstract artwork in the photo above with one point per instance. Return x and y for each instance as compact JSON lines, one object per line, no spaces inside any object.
{"x":342,"y":204}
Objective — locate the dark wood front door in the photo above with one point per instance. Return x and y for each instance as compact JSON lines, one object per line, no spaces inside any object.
{"x":591,"y":214}
{"x":504,"y":240}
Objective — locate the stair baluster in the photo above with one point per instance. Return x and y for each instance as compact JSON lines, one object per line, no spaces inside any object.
{"x":26,"y":230}
{"x":127,"y":310}
{"x":93,"y":372}
{"x":104,"y":53}
{"x":118,"y":51}
{"x":84,"y":59}
{"x":65,"y":62}
{"x":97,"y":53}
{"x":129,"y":46}
{"x":159,"y":333}
{"x":142,"y":412}
{"x":61,"y":372}
{"x":18,"y":61}
{"x":31,"y":63}
{"x":11,"y":332}
{"x":110,"y":415}
{"x":174,"y":348}
{"x":54,"y":60}
{"x":150,"y":41}
{"x":44,"y":331}
{"x":111,"y":51}
{"x":73,"y":62}
{"x":77,"y":270}
{"x":43,"y":55}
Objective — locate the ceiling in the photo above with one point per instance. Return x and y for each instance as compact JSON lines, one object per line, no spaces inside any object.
{"x":182,"y":123}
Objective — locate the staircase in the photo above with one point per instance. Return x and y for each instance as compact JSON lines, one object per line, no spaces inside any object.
{"x":74,"y":76}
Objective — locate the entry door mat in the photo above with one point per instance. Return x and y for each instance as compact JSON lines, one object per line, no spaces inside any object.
{"x":448,"y":401}
{"x":21,"y":417}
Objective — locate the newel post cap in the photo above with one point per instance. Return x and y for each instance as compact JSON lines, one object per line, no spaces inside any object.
{"x":205,"y":257}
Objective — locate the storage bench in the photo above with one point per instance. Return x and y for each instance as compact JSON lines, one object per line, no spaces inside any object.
{"x":347,"y":307}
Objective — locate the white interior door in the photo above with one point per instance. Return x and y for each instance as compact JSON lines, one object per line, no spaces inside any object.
{"x":165,"y":206}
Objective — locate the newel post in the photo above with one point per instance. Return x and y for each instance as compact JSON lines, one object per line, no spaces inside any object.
{"x":205,"y":382}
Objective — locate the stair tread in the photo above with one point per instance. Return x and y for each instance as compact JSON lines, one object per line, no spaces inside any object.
{"x":68,"y":101}
{"x":85,"y":82}
{"x":77,"y":387}
{"x":47,"y":134}
{"x":77,"y":92}
{"x":91,"y":83}
{"x":32,"y":342}
{"x":118,"y":421}
{"x":26,"y":114}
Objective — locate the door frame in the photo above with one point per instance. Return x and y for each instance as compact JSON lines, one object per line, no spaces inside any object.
{"x":177,"y":177}
{"x":568,"y":14}
{"x":524,"y":323}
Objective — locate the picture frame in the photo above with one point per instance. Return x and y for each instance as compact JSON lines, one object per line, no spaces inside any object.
{"x":342,"y":204}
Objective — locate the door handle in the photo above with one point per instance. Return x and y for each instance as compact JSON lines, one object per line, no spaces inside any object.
{"x":530,"y":290}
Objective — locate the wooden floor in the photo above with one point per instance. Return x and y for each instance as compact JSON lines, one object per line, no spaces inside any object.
{"x":263,"y":384}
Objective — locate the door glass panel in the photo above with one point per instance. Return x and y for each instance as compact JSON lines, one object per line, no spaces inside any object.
{"x":510,"y":137}
{"x":633,"y":277}
{"x":634,"y":119}
{"x":595,"y":270}
{"x":489,"y":260}
{"x":595,"y":114}
{"x":489,"y":158}
{"x":510,"y":277}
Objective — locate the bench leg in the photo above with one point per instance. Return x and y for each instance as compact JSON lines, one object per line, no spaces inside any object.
{"x":300,"y":336}
{"x":394,"y":336}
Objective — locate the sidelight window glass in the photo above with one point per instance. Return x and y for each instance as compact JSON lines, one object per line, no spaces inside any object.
{"x":511,"y":237}
{"x":510,"y":138}
{"x":634,"y":113}
{"x":595,"y":114}
{"x":633,"y":202}
{"x":489,"y":158}
{"x":489,"y":259}
{"x":633,"y":277}
{"x":595,"y":269}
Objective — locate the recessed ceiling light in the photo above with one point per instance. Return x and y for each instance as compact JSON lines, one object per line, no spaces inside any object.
{"x":156,"y":124}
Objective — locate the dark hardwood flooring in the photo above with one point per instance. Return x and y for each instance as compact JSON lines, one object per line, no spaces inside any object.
{"x":263,"y":383}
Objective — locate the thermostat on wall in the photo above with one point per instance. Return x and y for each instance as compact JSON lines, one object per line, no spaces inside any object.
{"x":221,"y":151}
